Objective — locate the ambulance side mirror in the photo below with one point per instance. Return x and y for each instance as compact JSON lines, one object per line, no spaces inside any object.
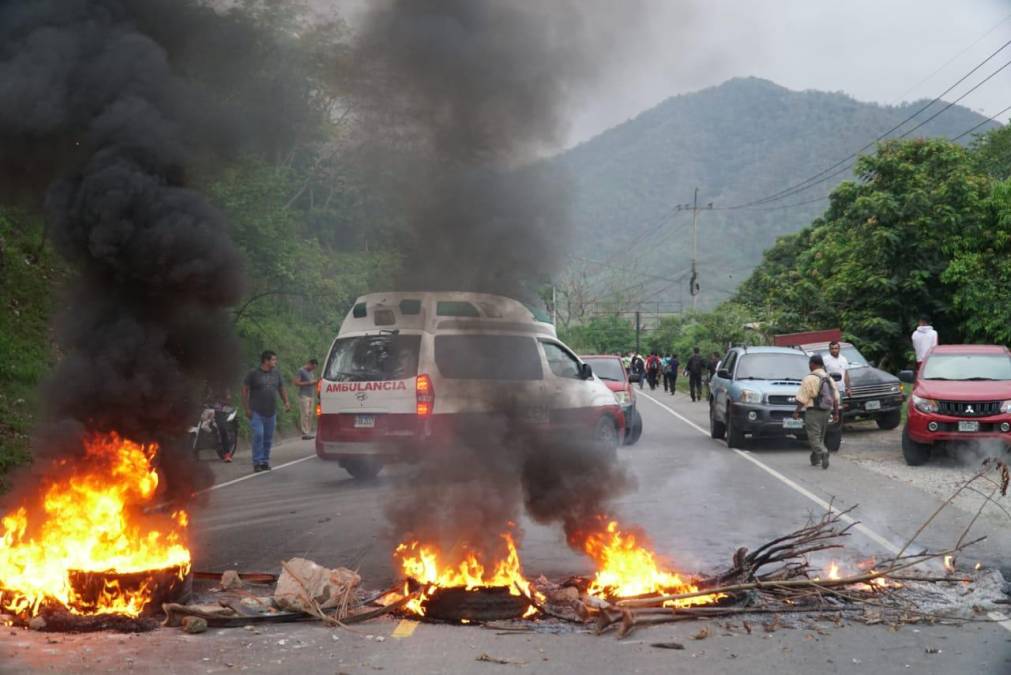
{"x":585,"y":371}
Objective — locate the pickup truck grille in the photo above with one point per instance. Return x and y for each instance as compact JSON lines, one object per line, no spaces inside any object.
{"x":870,"y":390}
{"x":969,"y":408}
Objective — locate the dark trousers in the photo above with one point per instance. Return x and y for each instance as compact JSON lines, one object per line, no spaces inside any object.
{"x":695,"y":385}
{"x":668,"y":382}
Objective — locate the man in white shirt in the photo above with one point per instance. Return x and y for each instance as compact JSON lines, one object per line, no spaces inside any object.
{"x":835,"y":362}
{"x":924,"y":339}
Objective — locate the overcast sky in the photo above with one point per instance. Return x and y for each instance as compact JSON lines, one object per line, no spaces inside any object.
{"x":886,"y":51}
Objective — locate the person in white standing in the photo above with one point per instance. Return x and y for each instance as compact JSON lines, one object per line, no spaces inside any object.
{"x":835,"y":362}
{"x":924,"y":339}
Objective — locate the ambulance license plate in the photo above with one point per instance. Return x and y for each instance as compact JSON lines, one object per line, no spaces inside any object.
{"x":872,"y":405}
{"x":365,"y":421}
{"x":968,"y":426}
{"x":790,"y":423}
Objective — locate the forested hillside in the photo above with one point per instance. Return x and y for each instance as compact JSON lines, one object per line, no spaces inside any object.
{"x":739,"y":141}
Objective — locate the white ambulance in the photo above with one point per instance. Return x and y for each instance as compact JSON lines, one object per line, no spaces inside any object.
{"x":410,"y":373}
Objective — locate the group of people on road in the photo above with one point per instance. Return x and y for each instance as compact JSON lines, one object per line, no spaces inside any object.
{"x":658,"y":369}
{"x":260,"y":390}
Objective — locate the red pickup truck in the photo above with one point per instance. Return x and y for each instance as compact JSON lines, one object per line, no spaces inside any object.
{"x":962,"y":393}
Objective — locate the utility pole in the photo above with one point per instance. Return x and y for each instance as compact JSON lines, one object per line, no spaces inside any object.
{"x":638,"y":328}
{"x":693,"y":285}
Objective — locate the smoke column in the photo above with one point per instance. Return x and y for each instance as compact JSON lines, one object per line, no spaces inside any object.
{"x":97,"y":121}
{"x":475,"y":91}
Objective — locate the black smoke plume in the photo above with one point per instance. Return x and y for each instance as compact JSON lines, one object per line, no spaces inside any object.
{"x":106,"y":106}
{"x":475,"y":92}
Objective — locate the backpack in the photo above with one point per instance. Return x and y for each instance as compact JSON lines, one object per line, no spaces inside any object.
{"x":825,"y":400}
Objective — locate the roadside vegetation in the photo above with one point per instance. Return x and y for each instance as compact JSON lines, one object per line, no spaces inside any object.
{"x":924,"y":227}
{"x":30,"y":277}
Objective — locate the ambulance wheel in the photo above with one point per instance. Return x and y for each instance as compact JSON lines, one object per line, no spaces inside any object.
{"x":605,"y":436}
{"x":634,"y":430}
{"x":363,"y":468}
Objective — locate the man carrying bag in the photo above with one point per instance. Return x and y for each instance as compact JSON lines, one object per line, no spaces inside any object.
{"x":818,"y":400}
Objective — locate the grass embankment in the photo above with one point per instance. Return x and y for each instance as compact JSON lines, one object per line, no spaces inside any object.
{"x":30,"y":273}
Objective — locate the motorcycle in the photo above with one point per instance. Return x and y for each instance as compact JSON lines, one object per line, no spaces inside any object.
{"x":218,"y":430}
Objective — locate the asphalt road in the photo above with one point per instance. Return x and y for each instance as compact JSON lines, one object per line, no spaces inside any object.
{"x":698,"y":501}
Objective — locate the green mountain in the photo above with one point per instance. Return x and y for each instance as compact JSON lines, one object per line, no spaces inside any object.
{"x":738,"y":142}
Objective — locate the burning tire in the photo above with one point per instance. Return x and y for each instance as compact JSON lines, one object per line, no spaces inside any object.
{"x":479,"y":604}
{"x":362,"y":468}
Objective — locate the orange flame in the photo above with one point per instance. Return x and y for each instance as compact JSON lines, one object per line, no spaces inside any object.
{"x":626,"y":568}
{"x":423,"y":564}
{"x":92,"y":524}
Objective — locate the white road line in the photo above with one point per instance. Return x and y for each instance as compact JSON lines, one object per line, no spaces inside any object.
{"x":999,"y":619}
{"x":863,"y":529}
{"x":253,"y":475}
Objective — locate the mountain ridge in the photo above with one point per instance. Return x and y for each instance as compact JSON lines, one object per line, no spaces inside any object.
{"x":627,"y":179}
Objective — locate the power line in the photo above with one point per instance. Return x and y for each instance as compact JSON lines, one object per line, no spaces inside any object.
{"x":955,"y":57}
{"x":850,"y":164}
{"x":812,"y":180}
{"x":986,"y":121}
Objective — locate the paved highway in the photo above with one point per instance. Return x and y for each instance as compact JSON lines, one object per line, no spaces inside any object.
{"x":698,"y":501}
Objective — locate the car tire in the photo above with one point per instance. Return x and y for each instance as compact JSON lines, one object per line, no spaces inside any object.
{"x":717,"y":429}
{"x":889,"y":420}
{"x":735,"y":438}
{"x":605,"y":436}
{"x":362,"y":468}
{"x":833,"y":438}
{"x":634,"y":430}
{"x":914,"y":453}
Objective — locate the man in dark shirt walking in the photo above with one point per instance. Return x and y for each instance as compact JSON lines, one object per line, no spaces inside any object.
{"x":693,"y":369}
{"x":259,"y":390}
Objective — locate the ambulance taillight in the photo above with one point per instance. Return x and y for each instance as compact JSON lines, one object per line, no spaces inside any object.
{"x":425,"y":396}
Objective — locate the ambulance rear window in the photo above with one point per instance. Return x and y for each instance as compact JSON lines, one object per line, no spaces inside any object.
{"x":374,"y":358}
{"x":488,"y":357}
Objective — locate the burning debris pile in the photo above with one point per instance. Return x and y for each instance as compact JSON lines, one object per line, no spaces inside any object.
{"x":94,"y":552}
{"x":106,"y":111}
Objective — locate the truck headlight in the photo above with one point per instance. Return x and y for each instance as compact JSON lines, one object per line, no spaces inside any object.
{"x":622,"y":397}
{"x":896,"y":388}
{"x":1005,"y":407}
{"x":925,"y":405}
{"x":751,"y":396}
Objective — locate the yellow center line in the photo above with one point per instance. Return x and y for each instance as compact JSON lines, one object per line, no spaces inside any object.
{"x":404,"y":629}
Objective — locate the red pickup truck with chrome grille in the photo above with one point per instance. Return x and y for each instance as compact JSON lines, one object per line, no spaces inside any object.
{"x":962,"y":393}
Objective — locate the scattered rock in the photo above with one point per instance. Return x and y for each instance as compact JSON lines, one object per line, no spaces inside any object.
{"x":667,"y":645}
{"x":37,"y":623}
{"x":231,"y":580}
{"x":194,"y":625}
